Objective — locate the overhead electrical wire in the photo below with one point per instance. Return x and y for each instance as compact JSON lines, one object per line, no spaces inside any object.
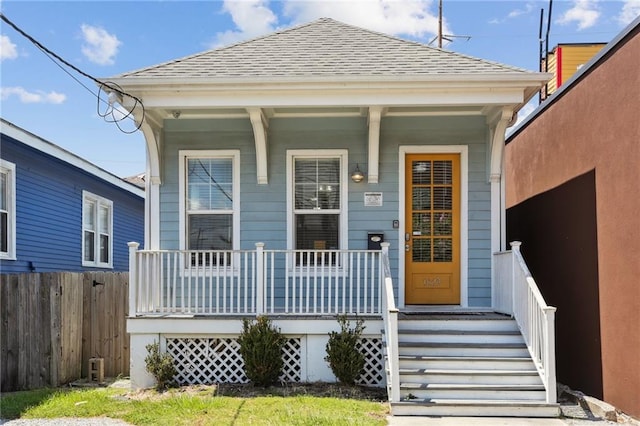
{"x":116,"y":114}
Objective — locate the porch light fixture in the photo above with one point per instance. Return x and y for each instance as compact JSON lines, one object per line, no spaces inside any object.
{"x":357,"y":175}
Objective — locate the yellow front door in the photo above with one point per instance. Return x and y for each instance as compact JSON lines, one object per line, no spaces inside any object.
{"x":432,"y":234}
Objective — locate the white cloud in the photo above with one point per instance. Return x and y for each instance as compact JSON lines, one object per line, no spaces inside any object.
{"x":252,"y":18}
{"x":528,"y":7}
{"x":396,"y":17}
{"x":8,"y":50}
{"x":584,"y":12}
{"x":517,"y":12}
{"x":630,"y":11}
{"x":407,"y":17}
{"x":99,"y":46}
{"x":27,"y":97}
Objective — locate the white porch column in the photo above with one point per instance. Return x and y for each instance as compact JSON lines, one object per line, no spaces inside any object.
{"x":151,"y":131}
{"x":504,"y":119}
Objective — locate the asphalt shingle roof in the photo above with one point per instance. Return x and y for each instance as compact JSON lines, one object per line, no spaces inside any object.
{"x":320,"y":49}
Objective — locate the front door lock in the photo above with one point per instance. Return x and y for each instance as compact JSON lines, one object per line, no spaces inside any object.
{"x":407,"y":247}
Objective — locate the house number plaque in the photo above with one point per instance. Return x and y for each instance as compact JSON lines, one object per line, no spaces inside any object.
{"x":373,"y":199}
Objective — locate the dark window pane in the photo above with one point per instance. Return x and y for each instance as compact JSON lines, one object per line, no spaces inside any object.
{"x":442,"y":198}
{"x":422,"y":223}
{"x":104,"y":248}
{"x":421,"y":172}
{"x":89,"y":246}
{"x":442,"y":224}
{"x":4,"y":240}
{"x":442,"y":250}
{"x":422,"y":250}
{"x":421,"y":198}
{"x":317,"y":231}
{"x":210,"y":232}
{"x":443,"y":172}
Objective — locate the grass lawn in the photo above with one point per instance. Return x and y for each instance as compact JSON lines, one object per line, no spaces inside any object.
{"x":198,"y":405}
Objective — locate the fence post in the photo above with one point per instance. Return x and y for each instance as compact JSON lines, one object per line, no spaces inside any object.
{"x":133,"y":278}
{"x":260,"y":278}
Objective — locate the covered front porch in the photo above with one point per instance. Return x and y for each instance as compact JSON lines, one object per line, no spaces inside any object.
{"x":193,"y":303}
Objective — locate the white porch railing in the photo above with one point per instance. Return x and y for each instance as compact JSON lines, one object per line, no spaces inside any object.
{"x":390,"y":321}
{"x":296,"y":282}
{"x":516,"y":293}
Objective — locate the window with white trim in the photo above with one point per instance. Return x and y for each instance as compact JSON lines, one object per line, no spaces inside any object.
{"x":97,"y":231}
{"x":210,"y":203}
{"x":7,"y":210}
{"x":317,"y":201}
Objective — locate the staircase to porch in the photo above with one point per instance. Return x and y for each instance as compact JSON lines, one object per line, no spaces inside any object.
{"x":467,"y":364}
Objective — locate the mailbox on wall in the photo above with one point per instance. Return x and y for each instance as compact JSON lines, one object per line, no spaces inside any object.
{"x":374,"y":240}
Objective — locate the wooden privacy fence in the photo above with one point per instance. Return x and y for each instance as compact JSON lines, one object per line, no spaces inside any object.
{"x":52,"y":323}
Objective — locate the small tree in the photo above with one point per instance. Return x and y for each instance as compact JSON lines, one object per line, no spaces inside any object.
{"x":343,"y":356}
{"x":160,"y":366}
{"x":261,"y":350}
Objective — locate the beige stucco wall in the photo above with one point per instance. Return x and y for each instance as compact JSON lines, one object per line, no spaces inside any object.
{"x":596,"y":125}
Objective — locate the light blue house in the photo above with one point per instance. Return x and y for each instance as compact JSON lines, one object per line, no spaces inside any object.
{"x":328,"y":169}
{"x":61,"y":213}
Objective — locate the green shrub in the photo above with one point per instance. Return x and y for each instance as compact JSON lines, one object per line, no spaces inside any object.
{"x":261,"y":350}
{"x":160,"y":366}
{"x":343,"y":356}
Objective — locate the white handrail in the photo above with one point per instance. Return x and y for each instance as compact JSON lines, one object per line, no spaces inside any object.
{"x":536,"y":321}
{"x":390,"y":321}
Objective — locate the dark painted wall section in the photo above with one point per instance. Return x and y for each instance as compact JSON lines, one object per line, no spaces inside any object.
{"x":558,"y":231}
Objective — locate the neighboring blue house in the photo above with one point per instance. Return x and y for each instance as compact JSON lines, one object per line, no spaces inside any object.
{"x":60,"y":212}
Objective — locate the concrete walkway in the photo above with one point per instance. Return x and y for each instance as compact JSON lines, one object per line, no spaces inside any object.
{"x":489,"y":421}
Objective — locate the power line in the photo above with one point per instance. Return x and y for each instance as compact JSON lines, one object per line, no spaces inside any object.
{"x":111,"y":110}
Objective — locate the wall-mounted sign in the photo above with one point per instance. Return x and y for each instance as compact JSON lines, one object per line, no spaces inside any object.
{"x":373,"y":199}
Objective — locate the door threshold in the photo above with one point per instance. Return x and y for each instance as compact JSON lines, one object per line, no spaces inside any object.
{"x":408,"y":309}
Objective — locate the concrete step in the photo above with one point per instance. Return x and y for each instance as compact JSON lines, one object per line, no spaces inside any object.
{"x":475,"y":362}
{"x":477,"y":408}
{"x":454,"y":349}
{"x":466,"y":391}
{"x":467,"y":376}
{"x":458,"y":324}
{"x":460,"y":336}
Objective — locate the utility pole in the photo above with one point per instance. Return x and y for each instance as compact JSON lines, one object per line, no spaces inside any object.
{"x":440,"y":24}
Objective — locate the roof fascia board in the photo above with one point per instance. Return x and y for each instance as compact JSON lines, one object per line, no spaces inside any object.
{"x":327,"y":98}
{"x":55,"y":151}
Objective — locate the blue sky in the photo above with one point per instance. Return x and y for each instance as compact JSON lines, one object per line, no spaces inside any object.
{"x":105,"y":38}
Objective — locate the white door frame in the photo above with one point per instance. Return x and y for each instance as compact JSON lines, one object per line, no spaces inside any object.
{"x":463,"y":150}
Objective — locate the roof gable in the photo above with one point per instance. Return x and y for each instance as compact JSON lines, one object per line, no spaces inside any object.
{"x":321,"y":49}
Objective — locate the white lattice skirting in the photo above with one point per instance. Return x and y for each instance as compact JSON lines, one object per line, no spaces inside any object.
{"x":208,"y":360}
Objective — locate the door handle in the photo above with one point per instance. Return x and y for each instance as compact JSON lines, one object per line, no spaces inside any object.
{"x":407,"y":247}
